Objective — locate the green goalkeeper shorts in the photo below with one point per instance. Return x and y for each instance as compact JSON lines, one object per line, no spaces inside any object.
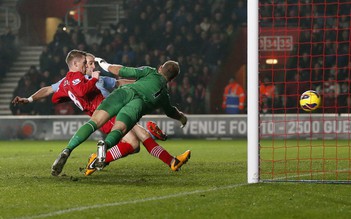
{"x":125,"y":104}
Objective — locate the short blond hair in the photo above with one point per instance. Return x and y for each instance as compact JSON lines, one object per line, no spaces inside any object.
{"x":89,"y":54}
{"x":73,"y":54}
{"x":170,"y":69}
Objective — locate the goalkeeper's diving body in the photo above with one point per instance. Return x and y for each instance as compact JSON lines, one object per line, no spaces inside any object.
{"x":128,"y":104}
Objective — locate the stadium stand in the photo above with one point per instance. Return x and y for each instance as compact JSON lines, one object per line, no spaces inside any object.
{"x":195,"y":33}
{"x":198,"y":33}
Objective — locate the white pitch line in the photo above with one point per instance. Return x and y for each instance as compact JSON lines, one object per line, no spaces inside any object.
{"x":69,"y":210}
{"x":308,"y":174}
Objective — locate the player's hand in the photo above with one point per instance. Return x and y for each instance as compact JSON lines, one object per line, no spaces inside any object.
{"x":183,"y":119}
{"x":19,"y":100}
{"x":99,"y":60}
{"x":95,"y":74}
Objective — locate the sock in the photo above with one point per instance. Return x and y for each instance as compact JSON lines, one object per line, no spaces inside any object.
{"x":157,"y":151}
{"x":82,"y":134}
{"x":113,"y":138}
{"x":122,"y":149}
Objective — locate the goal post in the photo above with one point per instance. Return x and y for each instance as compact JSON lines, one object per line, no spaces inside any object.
{"x":292,"y":47}
{"x":252,"y":92}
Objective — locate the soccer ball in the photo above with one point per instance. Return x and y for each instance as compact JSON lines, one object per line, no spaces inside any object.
{"x":310,"y":100}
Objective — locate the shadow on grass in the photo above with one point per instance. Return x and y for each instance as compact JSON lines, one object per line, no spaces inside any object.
{"x":192,"y":174}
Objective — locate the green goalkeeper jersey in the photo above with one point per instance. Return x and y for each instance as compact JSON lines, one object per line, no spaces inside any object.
{"x":150,"y":86}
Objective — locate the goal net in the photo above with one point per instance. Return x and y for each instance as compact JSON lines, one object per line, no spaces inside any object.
{"x":302,"y":45}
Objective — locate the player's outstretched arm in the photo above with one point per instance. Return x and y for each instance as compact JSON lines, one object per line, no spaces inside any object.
{"x":114,"y":69}
{"x":40,"y":94}
{"x":174,"y":113}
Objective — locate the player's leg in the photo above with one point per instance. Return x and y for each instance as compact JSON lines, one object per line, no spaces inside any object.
{"x":157,"y":151}
{"x":107,"y":109}
{"x":80,"y":136}
{"x":126,"y":118}
{"x":99,"y":118}
{"x":151,"y":145}
{"x":128,"y":145}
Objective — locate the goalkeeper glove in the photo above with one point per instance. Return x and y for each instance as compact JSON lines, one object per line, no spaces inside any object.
{"x":103,"y":64}
{"x":183,"y":120}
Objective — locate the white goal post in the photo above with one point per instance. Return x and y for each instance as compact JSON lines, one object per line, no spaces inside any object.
{"x":252,"y":92}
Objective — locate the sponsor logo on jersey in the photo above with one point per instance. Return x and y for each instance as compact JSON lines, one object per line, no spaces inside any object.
{"x":75,"y":82}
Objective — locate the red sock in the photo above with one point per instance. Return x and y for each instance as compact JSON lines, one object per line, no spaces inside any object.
{"x":157,"y":151}
{"x":122,"y":149}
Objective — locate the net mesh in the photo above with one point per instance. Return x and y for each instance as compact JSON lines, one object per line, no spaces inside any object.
{"x":304,"y":45}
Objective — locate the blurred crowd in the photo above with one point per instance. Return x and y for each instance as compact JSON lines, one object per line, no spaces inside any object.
{"x":193,"y":32}
{"x":196,"y":33}
{"x":8,"y":51}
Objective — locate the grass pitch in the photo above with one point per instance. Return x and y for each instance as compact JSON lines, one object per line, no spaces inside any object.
{"x":211,"y":185}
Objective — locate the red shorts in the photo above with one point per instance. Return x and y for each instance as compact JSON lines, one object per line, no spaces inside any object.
{"x":106,"y":128}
